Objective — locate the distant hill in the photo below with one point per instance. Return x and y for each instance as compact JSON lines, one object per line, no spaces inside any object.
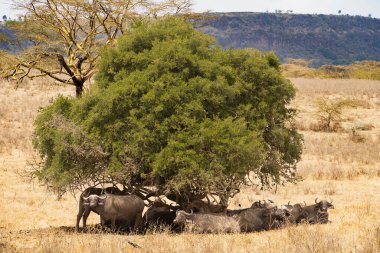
{"x":7,"y":39}
{"x":325,"y":39}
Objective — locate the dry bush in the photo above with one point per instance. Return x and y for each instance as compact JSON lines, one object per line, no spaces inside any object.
{"x":330,"y":112}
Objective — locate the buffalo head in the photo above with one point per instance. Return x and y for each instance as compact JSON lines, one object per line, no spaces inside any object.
{"x":94,"y":200}
{"x":323,"y":205}
{"x":263,"y":204}
{"x":182,"y":217}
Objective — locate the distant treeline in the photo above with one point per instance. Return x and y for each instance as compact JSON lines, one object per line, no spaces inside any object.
{"x":357,"y":70}
{"x":324,"y":39}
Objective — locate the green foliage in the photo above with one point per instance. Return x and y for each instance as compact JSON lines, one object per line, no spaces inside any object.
{"x":172,"y":111}
{"x":330,"y":112}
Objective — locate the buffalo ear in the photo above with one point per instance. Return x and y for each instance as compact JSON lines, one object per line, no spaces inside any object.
{"x":331,"y":206}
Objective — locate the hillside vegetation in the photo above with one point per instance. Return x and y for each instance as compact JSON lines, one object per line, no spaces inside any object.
{"x":324,"y":39}
{"x":358,"y":70}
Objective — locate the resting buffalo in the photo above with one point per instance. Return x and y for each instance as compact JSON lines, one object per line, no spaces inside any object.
{"x":256,"y":204}
{"x":200,"y":206}
{"x":127,"y":209}
{"x":258,"y":219}
{"x":159,"y":215}
{"x":84,"y":211}
{"x":316,"y":213}
{"x":207,"y":222}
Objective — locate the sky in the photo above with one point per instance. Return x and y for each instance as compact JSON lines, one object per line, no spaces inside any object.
{"x":351,"y":7}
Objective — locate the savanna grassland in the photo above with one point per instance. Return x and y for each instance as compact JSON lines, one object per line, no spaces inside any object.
{"x":342,"y":165}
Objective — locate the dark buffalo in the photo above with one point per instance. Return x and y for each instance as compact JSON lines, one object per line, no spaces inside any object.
{"x":127,"y":209}
{"x":263,"y":204}
{"x":316,"y":213}
{"x":258,"y":219}
{"x":207,"y":222}
{"x":200,"y":206}
{"x":255,"y":205}
{"x":84,"y":210}
{"x":161,"y":215}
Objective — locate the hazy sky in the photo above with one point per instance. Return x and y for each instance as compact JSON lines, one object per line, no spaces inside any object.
{"x":352,"y":7}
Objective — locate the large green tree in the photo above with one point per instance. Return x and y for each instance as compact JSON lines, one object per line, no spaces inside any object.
{"x":173,"y":114}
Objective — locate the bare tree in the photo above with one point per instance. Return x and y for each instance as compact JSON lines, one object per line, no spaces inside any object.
{"x":62,"y":39}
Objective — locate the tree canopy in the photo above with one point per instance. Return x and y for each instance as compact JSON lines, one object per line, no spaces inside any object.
{"x":173,"y":114}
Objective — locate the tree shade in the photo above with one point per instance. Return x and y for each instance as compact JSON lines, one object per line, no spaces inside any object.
{"x":173,"y":114}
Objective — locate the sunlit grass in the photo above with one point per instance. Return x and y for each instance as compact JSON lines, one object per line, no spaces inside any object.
{"x":333,"y":166}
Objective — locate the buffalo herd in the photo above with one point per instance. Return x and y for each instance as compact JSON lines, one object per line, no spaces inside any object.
{"x":124,"y":212}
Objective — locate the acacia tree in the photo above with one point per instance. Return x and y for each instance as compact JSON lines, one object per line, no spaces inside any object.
{"x":173,"y":114}
{"x":62,"y":39}
{"x":330,"y":112}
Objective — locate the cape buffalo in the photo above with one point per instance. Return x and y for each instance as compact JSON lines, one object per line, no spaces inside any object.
{"x":84,"y":210}
{"x":258,"y":219}
{"x":200,"y":206}
{"x":316,"y":213}
{"x":207,"y":222}
{"x":256,"y":204}
{"x":159,"y":215}
{"x":127,"y":209}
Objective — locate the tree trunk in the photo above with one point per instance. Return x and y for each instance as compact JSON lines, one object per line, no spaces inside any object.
{"x":79,"y":90}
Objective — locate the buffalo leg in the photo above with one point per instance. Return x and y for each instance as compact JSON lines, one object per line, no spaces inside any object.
{"x":85,"y":216}
{"x":79,"y":216}
{"x":113,"y":224}
{"x":138,"y":223}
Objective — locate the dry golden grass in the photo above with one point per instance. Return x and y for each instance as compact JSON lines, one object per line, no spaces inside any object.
{"x":333,"y":165}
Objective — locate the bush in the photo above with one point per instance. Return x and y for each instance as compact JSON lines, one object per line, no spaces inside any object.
{"x":330,"y":112}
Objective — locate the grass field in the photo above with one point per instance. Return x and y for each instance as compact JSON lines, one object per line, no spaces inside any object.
{"x":335,"y":165}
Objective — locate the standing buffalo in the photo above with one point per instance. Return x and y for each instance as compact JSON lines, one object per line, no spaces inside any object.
{"x":84,"y":210}
{"x":316,"y":213}
{"x":258,"y":219}
{"x":127,"y":209}
{"x":207,"y":222}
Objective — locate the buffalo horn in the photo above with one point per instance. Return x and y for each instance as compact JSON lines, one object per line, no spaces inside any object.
{"x":85,"y":198}
{"x":316,"y":199}
{"x":103,"y":197}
